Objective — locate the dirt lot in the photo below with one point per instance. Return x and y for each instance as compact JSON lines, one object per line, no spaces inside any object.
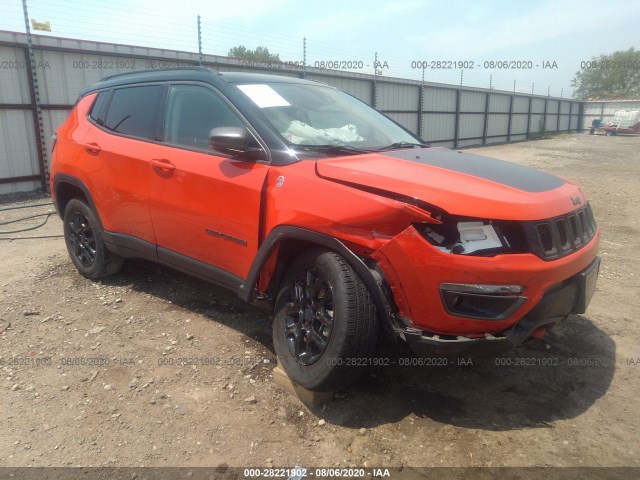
{"x":87,"y":376}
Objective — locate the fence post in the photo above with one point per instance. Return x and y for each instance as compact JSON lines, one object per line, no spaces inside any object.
{"x":374,"y":83}
{"x":559,"y":111}
{"x":38,"y":125}
{"x":421,"y":107}
{"x":511,"y":103}
{"x":570,"y":116}
{"x":486,"y":111}
{"x":544,"y":117}
{"x":199,"y":41}
{"x":529,"y":114}
{"x":458,"y":104}
{"x":304,"y":57}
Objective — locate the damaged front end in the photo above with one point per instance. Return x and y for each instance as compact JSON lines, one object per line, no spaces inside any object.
{"x":483,"y":286}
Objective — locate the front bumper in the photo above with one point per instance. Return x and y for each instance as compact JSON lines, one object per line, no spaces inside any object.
{"x":569,"y":297}
{"x":416,"y":271}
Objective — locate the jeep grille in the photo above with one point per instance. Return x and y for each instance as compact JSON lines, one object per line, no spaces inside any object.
{"x":560,"y":236}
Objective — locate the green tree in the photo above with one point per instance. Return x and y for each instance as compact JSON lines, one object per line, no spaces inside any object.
{"x":260,"y":53}
{"x":609,"y":77}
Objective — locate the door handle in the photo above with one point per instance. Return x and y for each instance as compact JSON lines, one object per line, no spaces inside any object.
{"x":92,"y":148}
{"x":163,"y":165}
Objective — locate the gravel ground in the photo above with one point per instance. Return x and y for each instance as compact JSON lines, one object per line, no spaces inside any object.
{"x":93,"y":373}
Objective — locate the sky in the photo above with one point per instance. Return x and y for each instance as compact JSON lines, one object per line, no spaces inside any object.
{"x":488,"y":35}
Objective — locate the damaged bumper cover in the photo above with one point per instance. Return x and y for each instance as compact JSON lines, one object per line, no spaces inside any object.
{"x":570,"y":297}
{"x":541,"y":293}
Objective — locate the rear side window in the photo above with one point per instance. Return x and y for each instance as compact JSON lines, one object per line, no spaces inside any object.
{"x":134,"y":111}
{"x":97,"y":107}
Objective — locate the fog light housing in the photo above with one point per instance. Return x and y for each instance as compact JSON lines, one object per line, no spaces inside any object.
{"x":482,"y":302}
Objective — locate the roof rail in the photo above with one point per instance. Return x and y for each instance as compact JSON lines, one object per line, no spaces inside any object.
{"x":154,"y":70}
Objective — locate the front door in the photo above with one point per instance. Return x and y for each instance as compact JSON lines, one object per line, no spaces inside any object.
{"x":204,"y":206}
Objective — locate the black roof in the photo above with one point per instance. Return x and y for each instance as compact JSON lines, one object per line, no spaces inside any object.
{"x":191,"y":74}
{"x":244,"y":77}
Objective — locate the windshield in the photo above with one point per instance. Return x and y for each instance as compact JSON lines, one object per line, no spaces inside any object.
{"x":314,"y":115}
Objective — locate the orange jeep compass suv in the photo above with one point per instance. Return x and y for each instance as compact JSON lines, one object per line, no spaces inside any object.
{"x":301,"y":197}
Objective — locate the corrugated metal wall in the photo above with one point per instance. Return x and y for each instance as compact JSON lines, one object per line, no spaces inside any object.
{"x":18,"y":149}
{"x":604,"y":110}
{"x":444,"y":115}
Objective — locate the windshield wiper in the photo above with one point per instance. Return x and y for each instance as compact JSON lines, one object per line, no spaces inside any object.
{"x":338,"y":149}
{"x":399,"y":145}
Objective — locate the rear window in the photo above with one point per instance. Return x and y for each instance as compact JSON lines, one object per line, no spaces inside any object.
{"x":134,"y":111}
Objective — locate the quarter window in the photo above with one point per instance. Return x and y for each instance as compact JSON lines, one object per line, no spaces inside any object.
{"x":98,"y":104}
{"x":134,"y":111}
{"x":192,"y":112}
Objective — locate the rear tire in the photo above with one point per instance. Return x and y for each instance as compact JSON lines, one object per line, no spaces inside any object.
{"x":325,"y":326}
{"x":83,"y":236}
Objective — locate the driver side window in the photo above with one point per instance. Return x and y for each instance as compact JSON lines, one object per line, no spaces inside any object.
{"x":192,"y":112}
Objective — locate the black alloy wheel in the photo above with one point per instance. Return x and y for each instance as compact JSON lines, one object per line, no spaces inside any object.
{"x":82,"y":240}
{"x":325,"y":326}
{"x":83,"y":236}
{"x":309,"y":316}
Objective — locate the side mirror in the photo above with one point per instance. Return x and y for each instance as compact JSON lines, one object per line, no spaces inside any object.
{"x":234,"y":141}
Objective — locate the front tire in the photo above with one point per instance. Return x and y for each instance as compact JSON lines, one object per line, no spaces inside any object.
{"x":325,"y":326}
{"x":83,"y":236}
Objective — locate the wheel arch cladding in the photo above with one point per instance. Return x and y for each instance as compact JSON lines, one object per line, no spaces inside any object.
{"x":316,"y":239}
{"x":66,"y":188}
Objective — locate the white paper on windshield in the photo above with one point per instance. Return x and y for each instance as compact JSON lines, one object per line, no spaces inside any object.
{"x":264,"y":96}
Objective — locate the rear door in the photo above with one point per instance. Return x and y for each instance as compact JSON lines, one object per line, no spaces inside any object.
{"x":118,"y":146}
{"x":205,"y":207}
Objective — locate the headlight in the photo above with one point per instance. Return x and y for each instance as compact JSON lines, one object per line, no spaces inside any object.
{"x":470,"y":236}
{"x":476,"y":236}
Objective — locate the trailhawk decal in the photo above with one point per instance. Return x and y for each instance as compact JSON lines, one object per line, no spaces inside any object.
{"x":506,"y":173}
